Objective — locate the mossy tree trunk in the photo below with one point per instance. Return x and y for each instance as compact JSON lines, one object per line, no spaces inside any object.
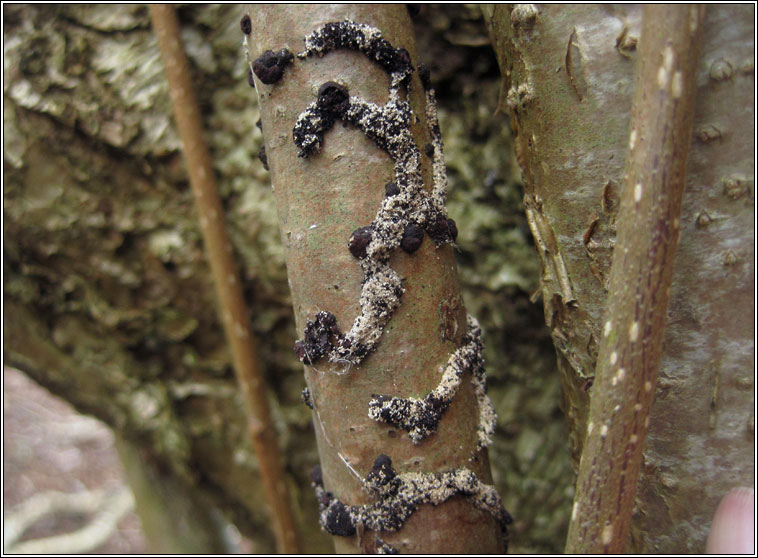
{"x":568,"y":83}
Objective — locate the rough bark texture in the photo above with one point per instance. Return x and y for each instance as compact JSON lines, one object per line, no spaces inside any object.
{"x":568,"y":80}
{"x":640,"y":279}
{"x":321,"y":201}
{"x":108,"y":300}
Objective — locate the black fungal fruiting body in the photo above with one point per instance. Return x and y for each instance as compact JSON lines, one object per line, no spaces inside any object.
{"x":321,"y":336}
{"x":398,"y":496}
{"x":305,"y":395}
{"x":407,"y":207}
{"x":384,"y":125}
{"x":452,"y":229}
{"x":338,"y":521}
{"x":439,"y":229}
{"x":246,"y":25}
{"x":384,"y":548}
{"x":333,"y":98}
{"x":317,"y":477}
{"x":413,"y":236}
{"x":391,"y":189}
{"x":262,"y":156}
{"x":269,"y":66}
{"x":406,"y":212}
{"x":381,"y":472}
{"x":367,"y":39}
{"x":420,"y":417}
{"x":359,"y":241}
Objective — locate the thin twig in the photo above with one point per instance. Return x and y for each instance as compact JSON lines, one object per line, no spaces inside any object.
{"x":225,"y":277}
{"x":648,"y":218}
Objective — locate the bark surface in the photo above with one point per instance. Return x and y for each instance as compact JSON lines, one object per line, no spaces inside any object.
{"x":108,"y":300}
{"x":321,"y":200}
{"x":568,"y":81}
{"x":640,"y":279}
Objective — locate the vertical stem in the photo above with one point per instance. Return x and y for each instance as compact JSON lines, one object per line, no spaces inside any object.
{"x":225,"y":277}
{"x":648,"y":233}
{"x":322,"y":200}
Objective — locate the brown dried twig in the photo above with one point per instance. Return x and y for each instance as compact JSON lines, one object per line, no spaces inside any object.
{"x":648,"y":233}
{"x":225,"y":277}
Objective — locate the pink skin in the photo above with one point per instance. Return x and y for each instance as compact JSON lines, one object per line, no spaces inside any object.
{"x":733,"y":527}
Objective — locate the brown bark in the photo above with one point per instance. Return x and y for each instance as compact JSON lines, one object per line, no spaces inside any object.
{"x":569,"y":97}
{"x":234,"y":313}
{"x":640,"y":279}
{"x":321,"y":200}
{"x":108,"y":298}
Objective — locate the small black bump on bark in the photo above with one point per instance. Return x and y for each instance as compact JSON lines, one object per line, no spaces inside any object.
{"x":391,"y":189}
{"x":325,"y":499}
{"x":267,"y":69}
{"x":338,"y":520}
{"x":381,"y":472}
{"x":438,"y":229}
{"x":262,"y":156}
{"x":413,"y":236}
{"x":359,"y":241}
{"x":320,"y":337}
{"x":246,"y":25}
{"x":333,"y":98}
{"x":269,"y":66}
{"x":435,"y":402}
{"x":453,"y":229}
{"x":402,"y":60}
{"x":301,"y":353}
{"x":305,"y":395}
{"x":284,"y":57}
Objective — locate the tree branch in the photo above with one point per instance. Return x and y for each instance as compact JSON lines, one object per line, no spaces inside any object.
{"x":225,"y":276}
{"x":353,"y":154}
{"x":648,"y":233}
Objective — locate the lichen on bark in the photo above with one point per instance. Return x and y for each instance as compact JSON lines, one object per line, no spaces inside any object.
{"x":323,"y":273}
